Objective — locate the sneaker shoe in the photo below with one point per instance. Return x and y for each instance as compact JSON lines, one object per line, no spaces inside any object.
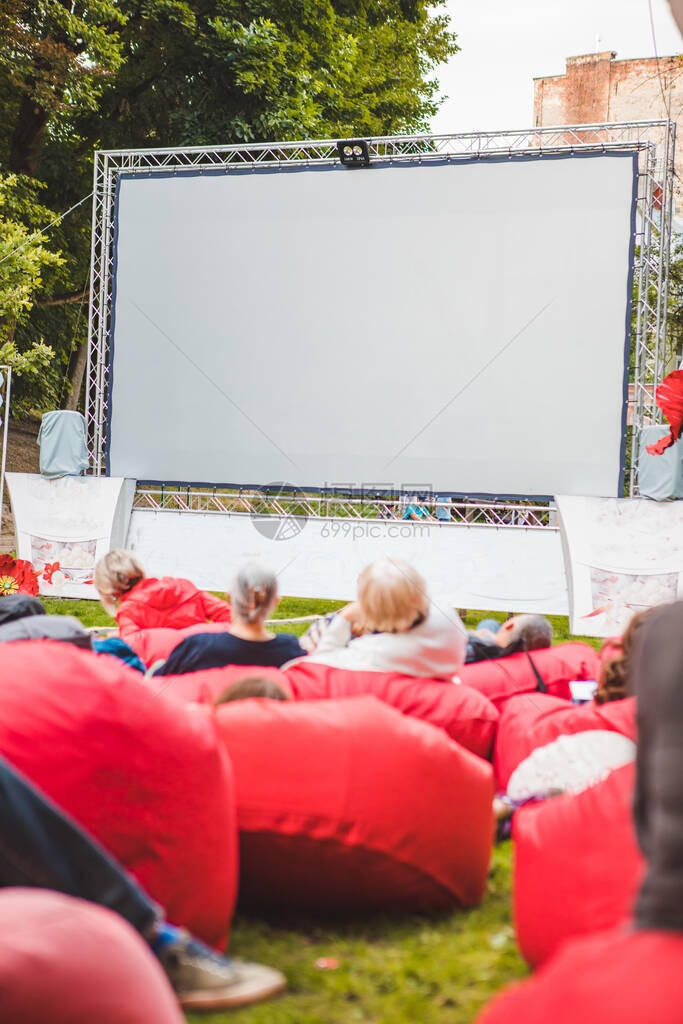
{"x":205,"y":980}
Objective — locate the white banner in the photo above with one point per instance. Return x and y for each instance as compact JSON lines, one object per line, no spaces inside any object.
{"x":622,"y":555}
{"x":64,"y":526}
{"x":507,"y":569}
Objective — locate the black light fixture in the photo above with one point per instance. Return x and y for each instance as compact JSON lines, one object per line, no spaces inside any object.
{"x":354,"y":152}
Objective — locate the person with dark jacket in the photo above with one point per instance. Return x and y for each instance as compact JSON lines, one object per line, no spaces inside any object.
{"x":23,"y":617}
{"x":246,"y":641}
{"x":519,"y":633}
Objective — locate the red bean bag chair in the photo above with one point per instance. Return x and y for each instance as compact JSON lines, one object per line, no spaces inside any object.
{"x":577,"y":865}
{"x":349,"y":805}
{"x":147,"y":777}
{"x":205,"y":686}
{"x":156,"y":644}
{"x":501,"y":678}
{"x":69,"y":962}
{"x":531,"y":721}
{"x":621,"y":977}
{"x":466,"y":716}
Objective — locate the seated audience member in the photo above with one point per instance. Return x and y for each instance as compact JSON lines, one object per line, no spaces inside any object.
{"x":392,"y":627}
{"x":246,"y":641}
{"x":606,"y":977}
{"x":23,"y":617}
{"x":414,"y":510}
{"x":252,"y":686}
{"x":613,"y":683}
{"x":43,"y":848}
{"x":520,"y":633}
{"x":141,"y":602}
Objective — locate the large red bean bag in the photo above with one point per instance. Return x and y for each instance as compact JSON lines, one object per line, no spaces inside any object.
{"x":69,"y":962}
{"x":530,"y":721}
{"x":155,"y":644}
{"x":620,"y":977}
{"x":577,"y":865}
{"x":349,"y":805}
{"x":501,"y":678}
{"x":464,"y":714}
{"x":205,"y":686}
{"x":147,"y":777}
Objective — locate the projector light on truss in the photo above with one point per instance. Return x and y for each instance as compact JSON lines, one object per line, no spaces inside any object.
{"x":354,"y":152}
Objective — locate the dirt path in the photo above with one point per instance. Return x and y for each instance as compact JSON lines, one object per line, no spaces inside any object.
{"x":23,"y":456}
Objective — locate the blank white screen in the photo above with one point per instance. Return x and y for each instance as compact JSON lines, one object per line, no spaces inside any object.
{"x":459,"y":326}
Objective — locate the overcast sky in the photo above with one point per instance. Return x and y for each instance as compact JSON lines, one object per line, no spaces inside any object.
{"x":506,"y":43}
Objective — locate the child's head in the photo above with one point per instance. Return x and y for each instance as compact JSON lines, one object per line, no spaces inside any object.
{"x":252,"y":686}
{"x":392,"y":596}
{"x":115,"y":575}
{"x":253,"y":594}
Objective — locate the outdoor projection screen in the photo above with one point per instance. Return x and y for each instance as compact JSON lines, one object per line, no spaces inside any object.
{"x":460,"y":326}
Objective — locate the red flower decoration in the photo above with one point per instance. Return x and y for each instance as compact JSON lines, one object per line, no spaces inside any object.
{"x":50,"y":569}
{"x":17,"y":576}
{"x":670,"y":401}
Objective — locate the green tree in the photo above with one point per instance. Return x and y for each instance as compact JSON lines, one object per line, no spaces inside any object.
{"x":78,"y":76}
{"x":23,"y":260}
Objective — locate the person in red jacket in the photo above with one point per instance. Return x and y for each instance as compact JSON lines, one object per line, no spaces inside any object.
{"x":138,"y":601}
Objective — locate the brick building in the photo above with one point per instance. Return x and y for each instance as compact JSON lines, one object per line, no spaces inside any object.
{"x":596,"y":88}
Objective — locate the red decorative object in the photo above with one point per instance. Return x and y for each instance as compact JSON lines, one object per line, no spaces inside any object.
{"x":17,"y":576}
{"x":50,"y":569}
{"x":670,"y":401}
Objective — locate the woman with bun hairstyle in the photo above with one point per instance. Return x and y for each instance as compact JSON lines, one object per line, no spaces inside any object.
{"x":246,"y":641}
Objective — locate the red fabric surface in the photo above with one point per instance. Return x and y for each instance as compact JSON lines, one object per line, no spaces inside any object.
{"x":145,"y":776}
{"x":206,"y":686}
{"x":503,"y":677}
{"x":530,"y":721}
{"x":170,"y":604}
{"x":156,"y":644}
{"x":619,"y":977}
{"x":577,"y":865}
{"x":670,"y":400}
{"x":69,"y":962}
{"x":347,"y":804}
{"x":465,"y":715}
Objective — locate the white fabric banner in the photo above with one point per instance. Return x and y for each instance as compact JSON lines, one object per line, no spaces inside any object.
{"x":507,"y":569}
{"x":622,"y":556}
{"x":64,"y":526}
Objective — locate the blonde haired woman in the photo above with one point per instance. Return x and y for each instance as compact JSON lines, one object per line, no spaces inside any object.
{"x":393,"y":627}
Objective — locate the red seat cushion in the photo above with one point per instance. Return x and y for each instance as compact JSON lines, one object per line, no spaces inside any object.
{"x":347,"y":805}
{"x":577,"y":865}
{"x":464,"y":714}
{"x":531,"y":721}
{"x":156,"y":644}
{"x":66,"y":961}
{"x":205,"y":686}
{"x":501,"y":678}
{"x":623,"y":977}
{"x":147,"y":777}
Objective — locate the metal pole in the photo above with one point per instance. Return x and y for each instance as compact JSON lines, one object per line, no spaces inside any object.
{"x":5,"y":406}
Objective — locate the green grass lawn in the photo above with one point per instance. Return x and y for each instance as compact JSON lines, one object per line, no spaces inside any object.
{"x":391,"y":970}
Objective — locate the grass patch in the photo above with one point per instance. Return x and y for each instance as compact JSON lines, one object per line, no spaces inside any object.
{"x":408,"y":970}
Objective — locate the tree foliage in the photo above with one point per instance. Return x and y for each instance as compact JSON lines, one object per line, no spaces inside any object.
{"x":77,"y":76}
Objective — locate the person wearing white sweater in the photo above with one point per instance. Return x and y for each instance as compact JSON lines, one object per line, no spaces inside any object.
{"x":392,"y":627}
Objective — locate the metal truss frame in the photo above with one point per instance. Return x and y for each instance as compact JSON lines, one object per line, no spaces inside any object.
{"x":654,"y":141}
{"x":328,"y":506}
